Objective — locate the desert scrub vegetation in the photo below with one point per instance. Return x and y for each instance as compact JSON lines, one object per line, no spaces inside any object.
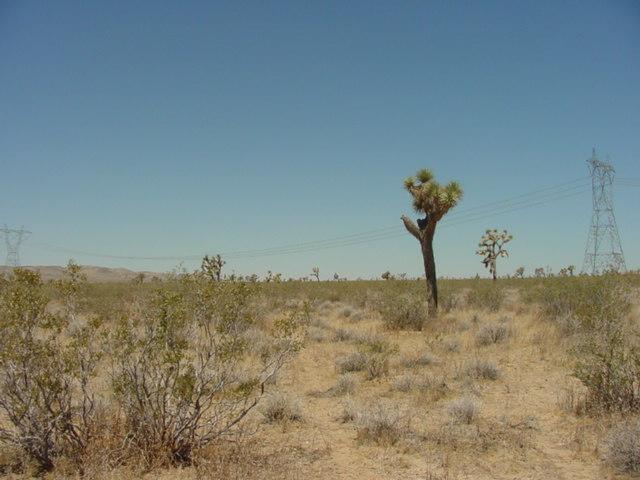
{"x":463,"y":410}
{"x":177,"y":366}
{"x":374,"y":364}
{"x":279,"y":407}
{"x":481,"y":369}
{"x":382,"y":423}
{"x":492,"y":333}
{"x":46,"y":365}
{"x":401,"y":310}
{"x":621,"y":447}
{"x":594,"y":311}
{"x":486,"y":296}
{"x":345,"y":385}
{"x":418,"y":359}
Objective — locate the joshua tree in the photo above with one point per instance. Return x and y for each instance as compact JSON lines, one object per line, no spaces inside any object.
{"x":315,"y":272}
{"x":519,"y":272}
{"x":491,"y":247}
{"x":434,"y":201}
{"x":570,"y":269}
{"x":539,"y":272}
{"x":387,"y":275}
{"x":212,"y":267}
{"x":336,"y":277}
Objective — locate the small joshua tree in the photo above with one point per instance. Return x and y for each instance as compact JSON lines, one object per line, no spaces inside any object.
{"x":315,"y":272}
{"x":434,"y":201}
{"x":519,"y":272}
{"x":539,"y":272}
{"x":491,"y":247}
{"x":212,"y":267}
{"x":387,"y":275}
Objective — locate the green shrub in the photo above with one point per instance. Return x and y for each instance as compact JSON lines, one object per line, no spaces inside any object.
{"x":179,"y":366}
{"x":46,"y":364}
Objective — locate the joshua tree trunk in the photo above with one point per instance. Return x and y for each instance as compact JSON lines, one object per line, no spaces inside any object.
{"x":425,"y":237}
{"x":430,"y":268}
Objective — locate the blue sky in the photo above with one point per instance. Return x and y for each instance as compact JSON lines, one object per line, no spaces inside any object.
{"x":178,"y":128}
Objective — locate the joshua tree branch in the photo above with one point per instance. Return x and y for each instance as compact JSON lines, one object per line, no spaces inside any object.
{"x":411,"y":227}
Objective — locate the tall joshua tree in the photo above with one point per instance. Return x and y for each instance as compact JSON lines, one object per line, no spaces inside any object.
{"x":491,"y":247}
{"x":434,"y":201}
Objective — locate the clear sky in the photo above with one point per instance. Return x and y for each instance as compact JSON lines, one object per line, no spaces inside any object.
{"x":157,"y":128}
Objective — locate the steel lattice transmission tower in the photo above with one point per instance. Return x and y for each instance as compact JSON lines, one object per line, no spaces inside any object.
{"x":13,"y":238}
{"x":604,"y":251}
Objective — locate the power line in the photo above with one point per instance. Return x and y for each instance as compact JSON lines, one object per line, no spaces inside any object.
{"x":385,"y":236}
{"x":515,"y":203}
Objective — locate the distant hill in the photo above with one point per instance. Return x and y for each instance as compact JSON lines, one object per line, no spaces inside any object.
{"x":94,"y":274}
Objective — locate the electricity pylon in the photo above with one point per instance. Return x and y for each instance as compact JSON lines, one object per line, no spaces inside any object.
{"x":13,"y":238}
{"x":604,"y":250}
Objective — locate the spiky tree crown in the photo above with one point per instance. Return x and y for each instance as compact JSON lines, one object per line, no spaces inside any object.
{"x":430,"y":197}
{"x":491,"y":246}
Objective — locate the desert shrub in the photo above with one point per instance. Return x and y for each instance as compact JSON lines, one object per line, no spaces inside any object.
{"x":377,"y":365}
{"x":482,"y":369}
{"x":431,"y":388}
{"x":487,"y":296}
{"x":572,"y":400}
{"x":463,"y":325}
{"x":451,"y":345}
{"x":383,"y":424}
{"x":608,"y":353}
{"x":374,"y":343}
{"x":46,"y":364}
{"x":621,"y":448}
{"x":349,"y":412}
{"x":180,"y":372}
{"x":318,"y":322}
{"x":594,"y":309}
{"x":577,"y":304}
{"x":354,"y":362}
{"x":344,"y":335}
{"x":402,"y":311}
{"x":345,"y":385}
{"x":608,"y":364}
{"x":279,"y":407}
{"x":463,"y":410}
{"x":347,"y":311}
{"x":403,"y":383}
{"x":491,"y":333}
{"x":449,"y":299}
{"x":420,"y":359}
{"x":316,"y":334}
